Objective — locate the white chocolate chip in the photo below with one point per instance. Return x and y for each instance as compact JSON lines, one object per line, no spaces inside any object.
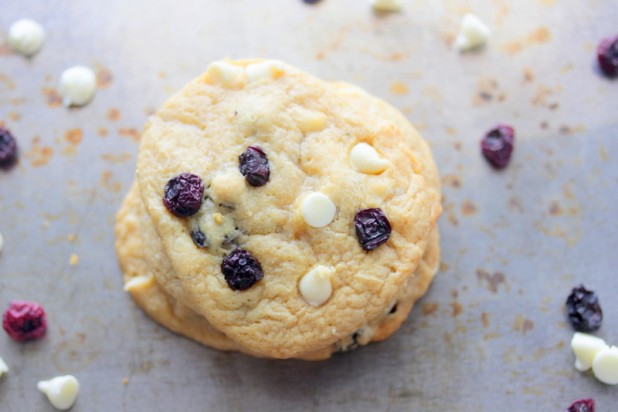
{"x":585,"y":347}
{"x":139,"y":282}
{"x":77,"y":85}
{"x":4,"y":368}
{"x":366,"y":159}
{"x":386,"y":5}
{"x":225,"y":74}
{"x":472,"y":33}
{"x":318,"y":210}
{"x":605,"y":365}
{"x":26,"y":37}
{"x":315,"y":286}
{"x":1,"y":242}
{"x":61,"y":391}
{"x":308,"y":120}
{"x":268,"y":70}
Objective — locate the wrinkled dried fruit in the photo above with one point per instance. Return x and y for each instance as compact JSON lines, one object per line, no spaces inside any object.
{"x":582,"y":405}
{"x":24,"y":321}
{"x":497,"y":146}
{"x":372,"y":228}
{"x":584,"y":310}
{"x":8,"y":148}
{"x":241,"y":270}
{"x":607,"y":54}
{"x":183,"y":194}
{"x":199,"y":238}
{"x":254,"y":166}
{"x":311,"y":1}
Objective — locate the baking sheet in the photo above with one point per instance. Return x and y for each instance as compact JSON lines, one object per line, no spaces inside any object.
{"x":491,"y":331}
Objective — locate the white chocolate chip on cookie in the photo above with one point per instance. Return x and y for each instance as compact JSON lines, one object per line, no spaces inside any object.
{"x":585,"y":347}
{"x":605,"y":365}
{"x":61,"y":391}
{"x":139,"y":282}
{"x":268,"y":70}
{"x":315,"y":286}
{"x":225,"y":74}
{"x":318,"y":210}
{"x":366,"y":159}
{"x":308,"y":120}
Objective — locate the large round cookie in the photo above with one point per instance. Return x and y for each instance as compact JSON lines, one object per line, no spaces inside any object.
{"x":307,"y":128}
{"x":140,"y":256}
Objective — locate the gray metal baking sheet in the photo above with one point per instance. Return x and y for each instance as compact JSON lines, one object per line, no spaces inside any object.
{"x":491,"y":332}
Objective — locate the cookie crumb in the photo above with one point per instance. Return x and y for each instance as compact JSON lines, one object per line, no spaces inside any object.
{"x":74,"y":259}
{"x":125,"y":381}
{"x":217,"y":217}
{"x":71,"y":237}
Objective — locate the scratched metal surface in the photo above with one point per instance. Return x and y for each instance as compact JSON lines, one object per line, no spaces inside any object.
{"x":491,"y":330}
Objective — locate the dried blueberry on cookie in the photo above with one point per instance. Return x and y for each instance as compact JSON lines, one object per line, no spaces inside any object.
{"x":241,"y":270}
{"x":254,"y":166}
{"x":199,"y":238}
{"x":183,"y":194}
{"x":372,"y":228}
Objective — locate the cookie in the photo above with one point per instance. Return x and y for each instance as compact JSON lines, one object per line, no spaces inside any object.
{"x":290,"y":211}
{"x":134,"y":242}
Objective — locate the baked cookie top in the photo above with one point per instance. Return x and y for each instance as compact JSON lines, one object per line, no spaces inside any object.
{"x":292,"y":209}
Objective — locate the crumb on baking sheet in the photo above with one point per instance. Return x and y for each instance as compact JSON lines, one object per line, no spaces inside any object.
{"x":53,"y":97}
{"x":39,"y":155}
{"x":113,"y":114}
{"x":104,"y":78}
{"x":129,"y":132}
{"x":538,"y":36}
{"x":522,"y":324}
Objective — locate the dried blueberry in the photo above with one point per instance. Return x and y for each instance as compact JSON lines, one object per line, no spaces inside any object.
{"x":199,"y":238}
{"x":8,"y":148}
{"x":372,"y":228}
{"x":584,"y":310}
{"x":311,"y":1}
{"x":183,"y":194}
{"x":254,"y":166}
{"x":607,"y":54}
{"x":582,"y":405}
{"x":497,"y":146}
{"x":241,"y":270}
{"x":24,"y":321}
